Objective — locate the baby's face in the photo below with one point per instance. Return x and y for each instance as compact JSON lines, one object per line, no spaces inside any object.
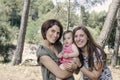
{"x":68,"y":39}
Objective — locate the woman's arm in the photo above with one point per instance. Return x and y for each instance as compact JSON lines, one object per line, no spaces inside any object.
{"x":95,"y":73}
{"x":54,"y":68}
{"x":79,"y":65}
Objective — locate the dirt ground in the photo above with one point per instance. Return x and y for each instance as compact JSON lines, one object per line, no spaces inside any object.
{"x":9,"y":72}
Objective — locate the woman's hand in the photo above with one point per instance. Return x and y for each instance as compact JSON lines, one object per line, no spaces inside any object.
{"x":70,"y":66}
{"x":77,"y":62}
{"x":59,"y":55}
{"x":65,"y":55}
{"x":79,"y":65}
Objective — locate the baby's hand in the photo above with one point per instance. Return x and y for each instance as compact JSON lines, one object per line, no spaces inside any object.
{"x":59,"y":55}
{"x":65,"y":55}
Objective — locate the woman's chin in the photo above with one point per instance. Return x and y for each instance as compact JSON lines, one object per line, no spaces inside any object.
{"x":81,"y":46}
{"x":52,"y":42}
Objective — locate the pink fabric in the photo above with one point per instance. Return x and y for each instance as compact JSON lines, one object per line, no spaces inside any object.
{"x":66,"y":50}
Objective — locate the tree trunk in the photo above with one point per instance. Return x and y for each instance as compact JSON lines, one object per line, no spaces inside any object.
{"x":116,"y":46}
{"x":69,"y":20}
{"x":107,"y":27}
{"x":22,"y":32}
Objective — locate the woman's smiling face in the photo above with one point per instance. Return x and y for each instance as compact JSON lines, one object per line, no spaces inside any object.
{"x":80,"y":38}
{"x":53,"y":34}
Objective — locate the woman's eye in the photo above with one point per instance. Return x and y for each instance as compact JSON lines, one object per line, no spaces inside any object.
{"x":58,"y":33}
{"x":81,"y":35}
{"x":53,"y":31}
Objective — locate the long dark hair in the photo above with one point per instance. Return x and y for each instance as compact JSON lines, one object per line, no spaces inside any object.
{"x":92,"y":47}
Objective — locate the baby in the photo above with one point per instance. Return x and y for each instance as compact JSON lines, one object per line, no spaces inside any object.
{"x":69,"y":51}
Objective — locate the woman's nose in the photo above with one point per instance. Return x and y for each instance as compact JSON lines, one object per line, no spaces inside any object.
{"x":78,"y":39}
{"x":55,"y":34}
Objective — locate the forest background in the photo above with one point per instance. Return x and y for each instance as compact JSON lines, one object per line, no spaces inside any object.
{"x":70,"y":13}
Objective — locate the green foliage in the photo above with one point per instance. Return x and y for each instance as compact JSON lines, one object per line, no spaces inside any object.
{"x":75,"y":20}
{"x":33,"y":12}
{"x":32,"y":35}
{"x":93,"y":32}
{"x":92,"y":3}
{"x":11,"y":11}
{"x":5,"y":40}
{"x":14,"y":19}
{"x":4,"y":35}
{"x":96,"y":20}
{"x":87,"y":3}
{"x":93,"y":20}
{"x":84,"y":15}
{"x":13,"y":4}
{"x":41,"y":10}
{"x":47,"y":7}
